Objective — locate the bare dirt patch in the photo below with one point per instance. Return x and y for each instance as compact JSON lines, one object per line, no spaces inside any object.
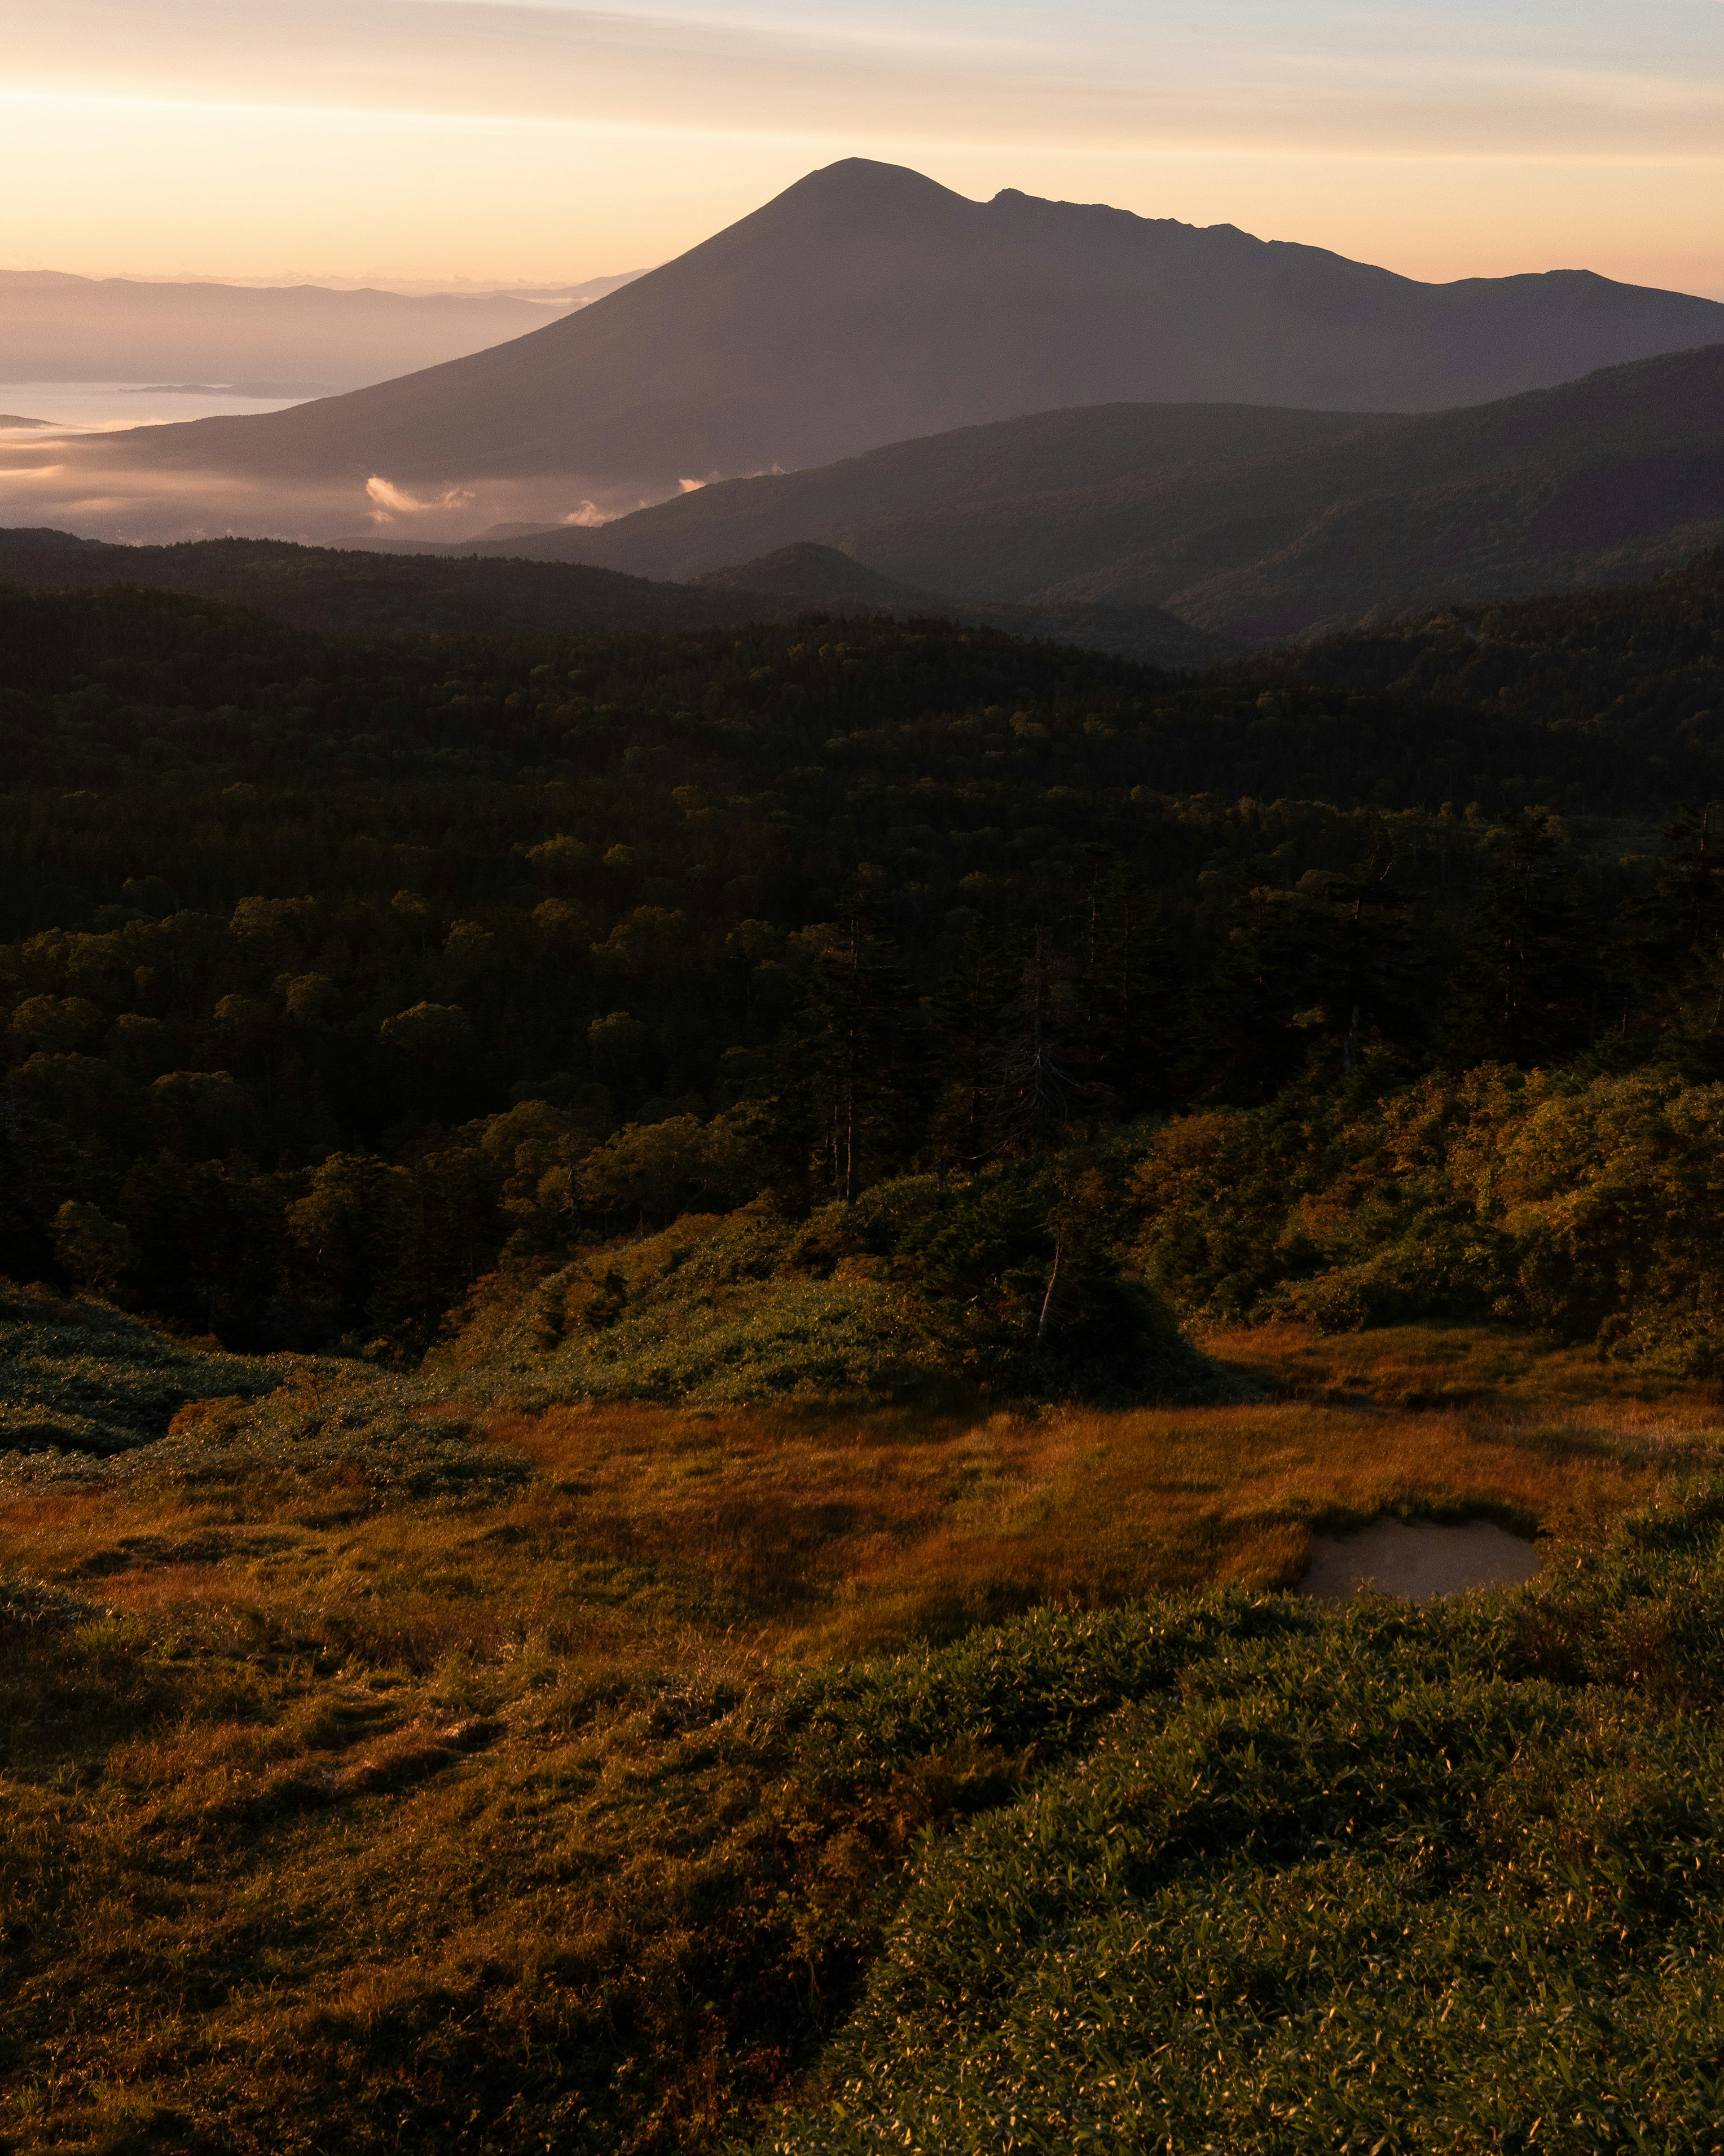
{"x":1417,"y":1563}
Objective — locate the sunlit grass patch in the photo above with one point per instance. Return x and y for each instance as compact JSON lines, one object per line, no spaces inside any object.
{"x":1436,"y":1365}
{"x":377,"y":1768}
{"x":842,"y":1531}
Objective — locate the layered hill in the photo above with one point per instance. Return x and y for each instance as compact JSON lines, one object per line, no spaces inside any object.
{"x":1257,"y":525}
{"x":1006,"y":461}
{"x":814,"y":577}
{"x":351,"y":591}
{"x":867,"y":304}
{"x":1640,"y":663}
{"x":331,"y":592}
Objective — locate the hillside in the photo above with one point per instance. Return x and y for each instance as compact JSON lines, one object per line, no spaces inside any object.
{"x":301,"y":930}
{"x":1042,"y":454}
{"x":688,"y":1314}
{"x":1301,"y":523}
{"x":866,"y":304}
{"x":650,"y":1784}
{"x":345,"y":593}
{"x":1592,"y":659}
{"x":353,"y":591}
{"x":1008,"y":462}
{"x":806,"y":576}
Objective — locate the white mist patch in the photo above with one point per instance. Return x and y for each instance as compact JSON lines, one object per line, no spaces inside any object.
{"x":117,"y":488}
{"x":394,"y":501}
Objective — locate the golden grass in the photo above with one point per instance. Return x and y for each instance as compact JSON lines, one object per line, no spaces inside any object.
{"x":834,"y":1533}
{"x":337,"y":1767}
{"x":840,"y":1535}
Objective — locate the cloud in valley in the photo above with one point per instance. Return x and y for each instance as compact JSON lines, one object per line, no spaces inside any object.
{"x":392,"y":502}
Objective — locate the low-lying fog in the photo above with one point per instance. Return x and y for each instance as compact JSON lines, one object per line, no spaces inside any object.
{"x":77,"y":474}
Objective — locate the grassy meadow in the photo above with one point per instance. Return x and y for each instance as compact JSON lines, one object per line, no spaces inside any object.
{"x":701,"y":1293}
{"x":383,"y":1770}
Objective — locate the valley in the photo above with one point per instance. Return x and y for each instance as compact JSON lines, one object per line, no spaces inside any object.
{"x":861,"y":1231}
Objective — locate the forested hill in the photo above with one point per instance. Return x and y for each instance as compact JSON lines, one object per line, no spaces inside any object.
{"x":329,"y":961}
{"x":1644,"y":664}
{"x":354,"y":591}
{"x":351,"y":591}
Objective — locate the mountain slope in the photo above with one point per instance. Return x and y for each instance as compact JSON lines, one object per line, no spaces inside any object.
{"x":1046,"y":453}
{"x":866,"y":303}
{"x":1312,"y":521}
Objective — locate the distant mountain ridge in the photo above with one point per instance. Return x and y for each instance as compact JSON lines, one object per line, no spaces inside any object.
{"x":60,"y":328}
{"x":1257,"y":525}
{"x":867,"y":304}
{"x":1044,"y":453}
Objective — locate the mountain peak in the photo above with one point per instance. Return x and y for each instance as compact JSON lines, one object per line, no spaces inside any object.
{"x":866,"y":182}
{"x":868,"y":304}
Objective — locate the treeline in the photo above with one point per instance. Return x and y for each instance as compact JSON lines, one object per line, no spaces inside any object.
{"x":338,"y":974}
{"x":1645,"y":664}
{"x":351,"y":591}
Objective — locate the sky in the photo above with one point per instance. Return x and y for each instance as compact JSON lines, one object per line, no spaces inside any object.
{"x":435,"y":141}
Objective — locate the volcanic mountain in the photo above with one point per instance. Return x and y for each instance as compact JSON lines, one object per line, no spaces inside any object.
{"x":866,"y":304}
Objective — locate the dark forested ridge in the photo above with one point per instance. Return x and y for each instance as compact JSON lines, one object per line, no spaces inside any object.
{"x":1638,"y":662}
{"x":354,"y":591}
{"x":340,"y":972}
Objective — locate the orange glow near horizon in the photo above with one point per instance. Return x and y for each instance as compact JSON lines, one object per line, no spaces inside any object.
{"x":439,"y":141}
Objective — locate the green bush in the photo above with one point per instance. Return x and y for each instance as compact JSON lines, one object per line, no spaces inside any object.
{"x":80,"y":1377}
{"x":1009,"y":1281}
{"x":1590,"y":1206}
{"x":1291,"y":1880}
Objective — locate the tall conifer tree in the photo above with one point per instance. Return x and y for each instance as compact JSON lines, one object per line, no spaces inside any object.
{"x":864,"y":1059}
{"x":1524,"y":990}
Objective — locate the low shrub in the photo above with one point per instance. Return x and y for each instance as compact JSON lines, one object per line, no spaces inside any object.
{"x":1588,"y":1207}
{"x":80,"y":1376}
{"x":1370,"y":1881}
{"x":1009,"y":1280}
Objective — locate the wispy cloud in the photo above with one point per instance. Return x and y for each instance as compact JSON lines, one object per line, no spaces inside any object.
{"x":1257,"y":75}
{"x":493,"y":137}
